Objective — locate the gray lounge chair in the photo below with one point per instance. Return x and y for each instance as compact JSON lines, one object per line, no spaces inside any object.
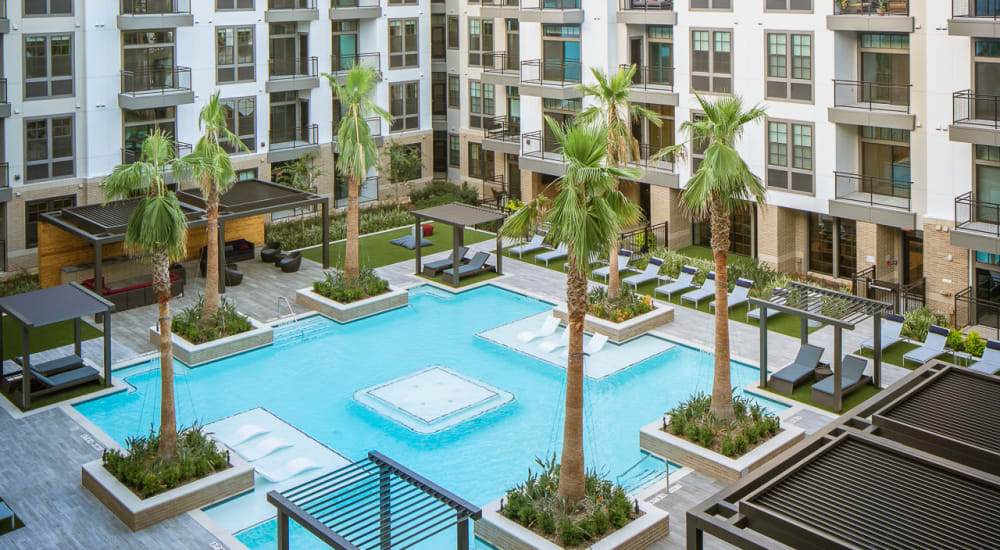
{"x":739,"y":296}
{"x":534,"y":244}
{"x":64,"y":380}
{"x":990,"y":363}
{"x":798,"y":371}
{"x":476,"y":265}
{"x":932,"y":347}
{"x":593,"y":259}
{"x":433,"y":268}
{"x":561,"y":251}
{"x":683,"y":282}
{"x":754,"y":312}
{"x":852,"y":377}
{"x":651,"y":273}
{"x":624,"y":258}
{"x":892,"y":325}
{"x":707,"y":290}
{"x":408,"y":240}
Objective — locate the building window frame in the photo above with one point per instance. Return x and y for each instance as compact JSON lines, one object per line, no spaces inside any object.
{"x":770,"y":6}
{"x":786,"y":68}
{"x":454,"y":151}
{"x":482,"y":162}
{"x":51,"y":204}
{"x":236,"y":5}
{"x":48,"y":9}
{"x":50,"y":80}
{"x":453,"y":31}
{"x":237,"y":63}
{"x":792,"y":158}
{"x":401,"y":56}
{"x":719,"y":45}
{"x":481,"y":37}
{"x":404,"y":118}
{"x":482,"y":103}
{"x":454,"y":91}
{"x":247,"y":135}
{"x":711,"y":5}
{"x":50,"y":160}
{"x":839,"y":249}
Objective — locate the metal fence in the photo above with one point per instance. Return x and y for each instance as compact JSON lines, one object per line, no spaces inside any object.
{"x":340,"y":63}
{"x":873,"y":96}
{"x":291,"y":138}
{"x":982,"y":314}
{"x":291,"y":4}
{"x":969,"y":107}
{"x":989,"y":9}
{"x":872,"y":191}
{"x":646,"y":5}
{"x":644,"y":239}
{"x":902,"y":298}
{"x":132,"y":154}
{"x":654,"y":76}
{"x":156,"y":80}
{"x":154,"y":7}
{"x":564,"y":73}
{"x":293,"y":67}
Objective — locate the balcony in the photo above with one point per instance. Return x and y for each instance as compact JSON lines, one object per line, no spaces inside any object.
{"x":647,"y":12}
{"x":500,"y":8}
{"x":285,"y":11}
{"x":155,"y":88}
{"x":130,"y":155}
{"x":341,"y":64}
{"x":653,"y":85}
{"x":4,"y":22}
{"x":374,"y":126}
{"x":501,"y":70}
{"x":5,"y":192}
{"x":503,"y":135}
{"x":292,"y":74}
{"x":974,"y":18}
{"x":139,"y":15}
{"x":655,"y":171}
{"x":977,"y":224}
{"x":872,"y":199}
{"x":292,"y":143}
{"x":559,"y":12}
{"x":871,"y":16}
{"x":551,"y":79}
{"x":541,"y":153}
{"x":355,"y":9}
{"x":975,"y":118}
{"x":4,"y":103}
{"x":872,"y":104}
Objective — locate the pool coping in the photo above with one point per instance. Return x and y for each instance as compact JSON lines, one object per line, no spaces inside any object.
{"x":352,"y":311}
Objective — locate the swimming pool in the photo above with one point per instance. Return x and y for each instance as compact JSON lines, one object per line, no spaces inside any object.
{"x":310,"y":384}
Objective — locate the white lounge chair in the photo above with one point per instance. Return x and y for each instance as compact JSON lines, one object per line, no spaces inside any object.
{"x":561,"y":251}
{"x":294,"y":467}
{"x":990,"y":362}
{"x":266,"y":447}
{"x":707,"y":289}
{"x":892,"y":325}
{"x":245,"y":433}
{"x":624,"y":258}
{"x":551,"y":345}
{"x":593,"y":259}
{"x":740,"y":294}
{"x":683,"y":282}
{"x":594,"y":346}
{"x":651,"y":273}
{"x":932,"y":347}
{"x":534,"y":244}
{"x":548,"y":327}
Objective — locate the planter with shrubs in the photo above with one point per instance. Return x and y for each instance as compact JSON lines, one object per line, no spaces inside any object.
{"x":229,"y":332}
{"x":307,"y":231}
{"x":623,"y":318}
{"x":691,"y":436}
{"x":344,"y":299}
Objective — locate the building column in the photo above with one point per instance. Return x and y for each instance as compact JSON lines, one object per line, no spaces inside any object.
{"x":946,"y":267}
{"x":778,"y":238}
{"x":679,"y":223}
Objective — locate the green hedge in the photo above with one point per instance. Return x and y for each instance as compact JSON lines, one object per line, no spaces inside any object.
{"x":300,"y":233}
{"x":442,"y":192}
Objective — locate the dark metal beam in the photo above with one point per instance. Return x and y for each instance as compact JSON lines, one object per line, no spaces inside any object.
{"x":220,"y":238}
{"x":25,"y":367}
{"x":763,"y":345}
{"x":325,"y":232}
{"x":418,"y":235}
{"x":107,"y":348}
{"x":456,"y":239}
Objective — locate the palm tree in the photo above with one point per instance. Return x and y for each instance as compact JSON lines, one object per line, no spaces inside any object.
{"x":613,"y":107}
{"x":209,"y":164}
{"x":722,"y":185}
{"x":587,"y":214}
{"x":357,"y":147}
{"x":158,"y":227}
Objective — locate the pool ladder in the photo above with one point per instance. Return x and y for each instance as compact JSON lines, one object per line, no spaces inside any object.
{"x":291,"y":312}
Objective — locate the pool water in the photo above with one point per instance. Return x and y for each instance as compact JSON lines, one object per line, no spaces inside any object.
{"x":310,"y":384}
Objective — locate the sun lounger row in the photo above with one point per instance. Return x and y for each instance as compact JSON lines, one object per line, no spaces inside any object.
{"x":803,"y":369}
{"x":549,"y":326}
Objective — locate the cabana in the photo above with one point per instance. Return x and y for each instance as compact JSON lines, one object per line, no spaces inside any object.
{"x":458,"y":216}
{"x":45,"y":307}
{"x":841,"y":311}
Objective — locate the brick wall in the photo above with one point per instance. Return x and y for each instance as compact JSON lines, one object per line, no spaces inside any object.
{"x":781,"y":240}
{"x":946,"y":267}
{"x":680,"y":225}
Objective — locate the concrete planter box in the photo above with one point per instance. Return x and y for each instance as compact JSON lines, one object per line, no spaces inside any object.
{"x":196,"y":354}
{"x":355,"y":310}
{"x":505,"y":534}
{"x":654,"y":440}
{"x":138,"y":513}
{"x":622,"y":332}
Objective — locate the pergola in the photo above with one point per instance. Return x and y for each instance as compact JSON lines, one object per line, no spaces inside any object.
{"x":375,"y":503}
{"x":52,"y":305}
{"x":839,"y":310}
{"x":458,"y":216}
{"x":100,"y":224}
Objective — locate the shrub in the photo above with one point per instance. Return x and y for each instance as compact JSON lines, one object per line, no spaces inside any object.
{"x":677,"y":425}
{"x":917,"y":322}
{"x":19,"y":283}
{"x":753,"y":424}
{"x":691,"y":430}
{"x":339,"y":287}
{"x":975,"y":344}
{"x":956,"y":340}
{"x":547,"y":522}
{"x":727,"y":447}
{"x":569,"y":533}
{"x":226,"y":322}
{"x":706,"y":436}
{"x":303,"y":232}
{"x":630,"y":304}
{"x":440,"y":192}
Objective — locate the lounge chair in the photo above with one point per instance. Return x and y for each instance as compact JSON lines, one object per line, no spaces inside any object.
{"x":707,"y":290}
{"x":552,"y":345}
{"x":433,"y":268}
{"x":65,"y":379}
{"x":891,"y":326}
{"x":548,"y":327}
{"x":55,"y":366}
{"x":561,"y":251}
{"x":290,"y":263}
{"x":408,"y":240}
{"x":265,"y":447}
{"x":683,"y":282}
{"x":754,"y":312}
{"x":739,"y":296}
{"x":246,"y":433}
{"x":593,"y":346}
{"x":624,"y":258}
{"x":476,"y":265}
{"x":270,"y":252}
{"x":651,"y":273}
{"x":798,"y":371}
{"x":990,"y":362}
{"x":536,"y":243}
{"x":294,"y":467}
{"x":593,"y":259}
{"x":852,"y":377}
{"x":932,"y":347}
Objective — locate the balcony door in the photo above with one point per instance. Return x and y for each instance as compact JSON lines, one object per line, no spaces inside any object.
{"x":287,"y":47}
{"x":885,"y":68}
{"x":885,"y":162}
{"x":561,"y":53}
{"x":987,"y":184}
{"x":513,"y":44}
{"x":289,"y":112}
{"x":986,"y":66}
{"x":149,"y":56}
{"x":345,"y":44}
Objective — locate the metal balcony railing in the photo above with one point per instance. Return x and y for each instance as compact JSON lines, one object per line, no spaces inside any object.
{"x":656,"y":77}
{"x":501,"y":3}
{"x":892,"y":193}
{"x":972,"y":214}
{"x":292,"y":67}
{"x":3,"y":90}
{"x":538,"y":144}
{"x":154,"y":7}
{"x":503,"y":128}
{"x":550,"y":4}
{"x":646,"y":159}
{"x":646,"y":5}
{"x":871,"y":7}
{"x":4,"y":175}
{"x":130,"y":154}
{"x":294,"y":138}
{"x":986,"y":9}
{"x":374,"y":126}
{"x":156,"y":80}
{"x":354,"y":3}
{"x":975,"y":109}
{"x":871,"y":96}
{"x":500,"y":62}
{"x":367,"y":191}
{"x":550,"y":72}
{"x":344,"y":63}
{"x":291,"y":4}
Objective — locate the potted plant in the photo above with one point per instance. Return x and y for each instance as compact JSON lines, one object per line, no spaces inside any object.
{"x":880,"y":6}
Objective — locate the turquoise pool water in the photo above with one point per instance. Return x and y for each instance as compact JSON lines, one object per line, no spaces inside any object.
{"x":310,"y":384}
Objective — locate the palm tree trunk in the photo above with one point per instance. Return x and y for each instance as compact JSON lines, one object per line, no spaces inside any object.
{"x":614,"y":278}
{"x":168,"y":415}
{"x":352,"y":267}
{"x":722,"y":390}
{"x":211,"y":305}
{"x":571,"y":471}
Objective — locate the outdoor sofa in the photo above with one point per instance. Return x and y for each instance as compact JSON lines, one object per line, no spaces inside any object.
{"x":138,"y":292}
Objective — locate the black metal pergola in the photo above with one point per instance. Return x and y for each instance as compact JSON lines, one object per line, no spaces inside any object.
{"x":839,"y":310}
{"x":46,"y":307}
{"x":375,"y":503}
{"x":103,"y":224}
{"x":458,"y":216}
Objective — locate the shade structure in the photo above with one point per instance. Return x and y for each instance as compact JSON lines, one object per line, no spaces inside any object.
{"x":459,"y":216}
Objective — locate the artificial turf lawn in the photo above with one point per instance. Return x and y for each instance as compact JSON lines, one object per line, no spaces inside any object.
{"x":51,"y":398}
{"x":894,"y":355}
{"x":702,"y":253}
{"x":42,"y":338}
{"x":803,"y":392}
{"x":477,"y":278}
{"x":375,"y":250}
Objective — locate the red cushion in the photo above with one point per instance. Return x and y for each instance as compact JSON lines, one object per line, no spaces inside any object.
{"x":428,"y":230}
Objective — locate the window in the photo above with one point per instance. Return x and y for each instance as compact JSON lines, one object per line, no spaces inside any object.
{"x":790,"y":168}
{"x":480,"y":161}
{"x":439,"y":34}
{"x":404,"y":104}
{"x":561,"y":53}
{"x":48,"y":65}
{"x":885,"y":68}
{"x":454,"y":151}
{"x":139,"y":124}
{"x":148,"y":61}
{"x":789,"y":66}
{"x":246,"y":174}
{"x":661,"y":56}
{"x":454,"y":92}
{"x":241,"y":119}
{"x":234,"y":56}
{"x":712,"y":5}
{"x":788,"y":5}
{"x":482,"y":103}
{"x":697,"y":146}
{"x":440,"y":152}
{"x":403,"y":43}
{"x":561,"y":111}
{"x":344,"y":39}
{"x":986,"y":78}
{"x":480,"y":39}
{"x":453,"y":32}
{"x":741,"y":232}
{"x":711,"y":61}
{"x":48,"y":7}
{"x":233,"y":4}
{"x":439,"y":93}
{"x":987,"y":183}
{"x":33,"y":211}
{"x":402,"y":2}
{"x":48,"y":148}
{"x":833,"y":245}
{"x":885,"y":162}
